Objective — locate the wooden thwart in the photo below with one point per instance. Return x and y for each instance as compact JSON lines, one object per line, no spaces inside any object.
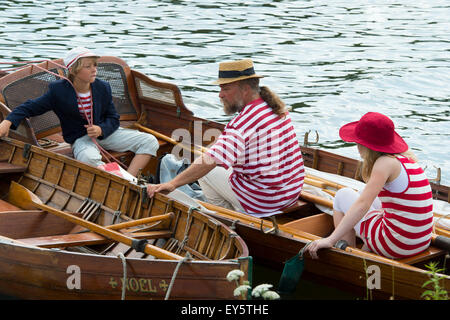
{"x":6,"y":167}
{"x":85,"y":239}
{"x":6,"y":206}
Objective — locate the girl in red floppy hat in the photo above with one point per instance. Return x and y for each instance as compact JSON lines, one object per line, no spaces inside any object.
{"x":393,"y":214}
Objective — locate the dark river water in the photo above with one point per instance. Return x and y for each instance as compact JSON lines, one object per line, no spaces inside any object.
{"x":330,"y":61}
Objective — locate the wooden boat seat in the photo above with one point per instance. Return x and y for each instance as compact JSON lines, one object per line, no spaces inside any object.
{"x":431,"y":252}
{"x":297,"y":210}
{"x":65,"y":240}
{"x":6,"y":206}
{"x":6,"y":167}
{"x":320,"y":224}
{"x":86,"y":238}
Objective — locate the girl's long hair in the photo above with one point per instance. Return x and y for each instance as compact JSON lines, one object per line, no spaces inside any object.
{"x":369,"y":157}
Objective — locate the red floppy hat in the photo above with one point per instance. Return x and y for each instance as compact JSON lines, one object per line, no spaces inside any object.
{"x":374,"y":131}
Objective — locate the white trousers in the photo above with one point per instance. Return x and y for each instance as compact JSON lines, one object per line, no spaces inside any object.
{"x":345,"y":198}
{"x":217,"y":190}
{"x":121,"y":140}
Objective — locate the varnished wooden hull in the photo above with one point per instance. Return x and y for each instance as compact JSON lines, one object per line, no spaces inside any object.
{"x":39,"y":273}
{"x":36,"y":263}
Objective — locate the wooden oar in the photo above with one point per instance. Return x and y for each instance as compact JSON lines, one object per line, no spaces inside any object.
{"x":236,"y":215}
{"x":316,"y":199}
{"x":170,"y":140}
{"x":325,"y":183}
{"x":8,"y":240}
{"x":24,"y":198}
{"x":320,"y":185}
{"x":138,"y":222}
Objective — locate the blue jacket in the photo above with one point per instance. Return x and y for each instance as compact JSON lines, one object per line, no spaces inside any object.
{"x":62,"y":99}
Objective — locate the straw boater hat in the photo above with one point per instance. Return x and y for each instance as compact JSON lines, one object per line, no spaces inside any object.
{"x":77,"y":53}
{"x":232,"y":71}
{"x":374,"y":131}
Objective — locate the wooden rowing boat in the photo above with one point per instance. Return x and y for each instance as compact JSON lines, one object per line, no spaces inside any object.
{"x":158,"y":108}
{"x":44,"y":256}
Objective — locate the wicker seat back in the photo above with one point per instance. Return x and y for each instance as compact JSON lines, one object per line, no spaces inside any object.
{"x":32,"y":87}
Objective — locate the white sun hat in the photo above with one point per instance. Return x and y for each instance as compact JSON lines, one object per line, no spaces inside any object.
{"x":77,"y":53}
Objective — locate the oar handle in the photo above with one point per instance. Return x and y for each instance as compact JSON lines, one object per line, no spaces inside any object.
{"x":441,"y":242}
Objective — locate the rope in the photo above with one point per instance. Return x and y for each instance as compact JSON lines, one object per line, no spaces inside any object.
{"x":175,"y":272}
{"x":180,"y":247}
{"x":303,"y":249}
{"x":124,"y":264}
{"x":186,"y":229}
{"x":368,"y":291}
{"x":233,"y":224}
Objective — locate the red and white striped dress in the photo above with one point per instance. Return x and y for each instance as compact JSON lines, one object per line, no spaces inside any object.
{"x":404,"y":226}
{"x":265,"y":155}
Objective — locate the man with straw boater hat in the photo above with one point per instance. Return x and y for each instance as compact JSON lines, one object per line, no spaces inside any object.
{"x":255,"y":166}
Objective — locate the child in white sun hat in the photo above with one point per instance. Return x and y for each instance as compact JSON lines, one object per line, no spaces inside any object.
{"x":87,"y":114}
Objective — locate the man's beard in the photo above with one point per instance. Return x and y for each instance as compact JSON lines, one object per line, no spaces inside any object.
{"x":231,"y":109}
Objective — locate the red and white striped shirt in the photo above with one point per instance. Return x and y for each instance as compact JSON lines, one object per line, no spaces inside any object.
{"x":404,"y":227}
{"x":265,"y":155}
{"x":84,"y":105}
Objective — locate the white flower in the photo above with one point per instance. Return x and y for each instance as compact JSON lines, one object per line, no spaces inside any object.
{"x":234,"y":275}
{"x":259,"y":290}
{"x":241,"y":290}
{"x":270,"y":295}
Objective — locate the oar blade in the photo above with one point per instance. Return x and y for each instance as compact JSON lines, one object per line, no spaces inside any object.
{"x":292,"y":271}
{"x":22,"y":197}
